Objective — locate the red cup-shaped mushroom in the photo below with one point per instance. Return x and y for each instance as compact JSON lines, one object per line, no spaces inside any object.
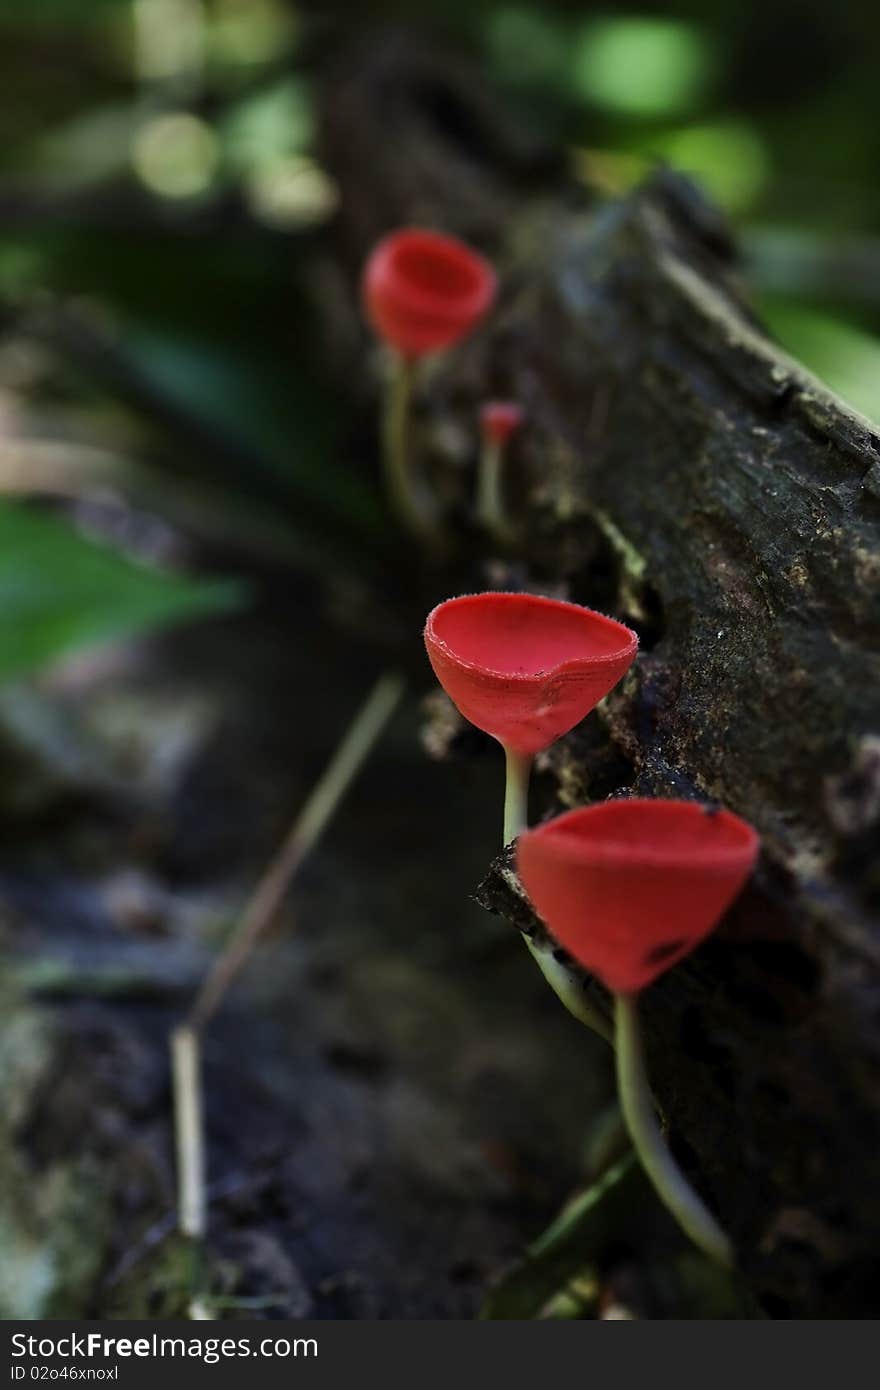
{"x":630,"y":887}
{"x":526,"y":669}
{"x":523,"y":668}
{"x":423,"y":291}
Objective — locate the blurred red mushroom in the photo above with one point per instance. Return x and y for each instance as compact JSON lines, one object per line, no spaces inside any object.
{"x":422,"y":292}
{"x":629,"y":888}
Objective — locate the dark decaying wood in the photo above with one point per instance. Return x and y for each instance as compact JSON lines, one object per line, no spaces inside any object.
{"x":680,"y":470}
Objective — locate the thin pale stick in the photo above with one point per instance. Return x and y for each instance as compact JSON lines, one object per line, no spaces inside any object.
{"x":328,"y":792}
{"x":188,"y":1131}
{"x":307,"y":829}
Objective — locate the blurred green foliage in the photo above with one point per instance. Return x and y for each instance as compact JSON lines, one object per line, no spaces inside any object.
{"x":158,"y":169}
{"x":769,"y":108}
{"x":60,"y":591}
{"x":560,"y":1274}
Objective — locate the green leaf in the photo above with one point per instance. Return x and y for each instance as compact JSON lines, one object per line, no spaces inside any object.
{"x":59,"y":591}
{"x":840,"y":352}
{"x":559,"y":1275}
{"x":570,"y":1243}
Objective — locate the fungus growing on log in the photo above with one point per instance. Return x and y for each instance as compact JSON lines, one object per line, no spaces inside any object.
{"x":526,"y":669}
{"x":422,"y":292}
{"x":629,"y":887}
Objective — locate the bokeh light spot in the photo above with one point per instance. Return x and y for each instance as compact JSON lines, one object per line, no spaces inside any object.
{"x":642,"y":67}
{"x":175,"y":154}
{"x":292,"y":193}
{"x":728,"y":157}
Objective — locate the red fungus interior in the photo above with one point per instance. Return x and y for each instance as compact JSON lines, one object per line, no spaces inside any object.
{"x":434,"y":267}
{"x":670,"y":832}
{"x":522,"y":634}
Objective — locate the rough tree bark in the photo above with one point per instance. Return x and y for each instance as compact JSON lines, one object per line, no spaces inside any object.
{"x":681,"y":471}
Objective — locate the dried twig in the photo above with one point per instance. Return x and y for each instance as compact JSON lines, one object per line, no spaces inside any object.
{"x":307,"y":829}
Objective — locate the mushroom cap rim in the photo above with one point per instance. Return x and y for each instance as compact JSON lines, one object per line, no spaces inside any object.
{"x":474,"y":301}
{"x":575,"y":663}
{"x":606,"y":847}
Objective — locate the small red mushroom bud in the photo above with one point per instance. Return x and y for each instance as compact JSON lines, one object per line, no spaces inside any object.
{"x":498,"y":421}
{"x":422,"y":292}
{"x":629,"y":888}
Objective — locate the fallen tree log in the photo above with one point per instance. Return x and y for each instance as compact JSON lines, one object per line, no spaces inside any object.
{"x":682,"y":472}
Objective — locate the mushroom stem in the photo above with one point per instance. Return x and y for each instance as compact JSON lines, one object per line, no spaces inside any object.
{"x":569,"y":989}
{"x":491,"y":512}
{"x":410,"y":499}
{"x":641,"y":1120}
{"x":518,"y":771}
{"x":566,"y":985}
